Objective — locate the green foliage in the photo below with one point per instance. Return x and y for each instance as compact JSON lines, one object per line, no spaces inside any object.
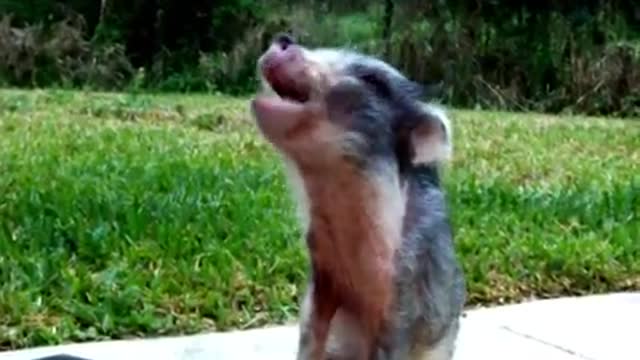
{"x":543,"y":56}
{"x":59,"y":55}
{"x":131,"y":215}
{"x":537,"y":56}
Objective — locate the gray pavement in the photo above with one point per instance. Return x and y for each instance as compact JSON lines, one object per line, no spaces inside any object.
{"x":603,"y":327}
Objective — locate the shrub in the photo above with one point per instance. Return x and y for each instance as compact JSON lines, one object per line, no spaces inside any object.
{"x":30,"y":56}
{"x":542,"y":56}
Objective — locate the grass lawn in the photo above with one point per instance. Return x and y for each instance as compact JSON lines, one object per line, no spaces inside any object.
{"x":124,"y":216}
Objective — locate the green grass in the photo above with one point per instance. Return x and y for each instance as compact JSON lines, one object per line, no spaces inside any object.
{"x":125,"y":216}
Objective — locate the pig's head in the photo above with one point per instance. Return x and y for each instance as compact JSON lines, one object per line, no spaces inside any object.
{"x":322,"y":107}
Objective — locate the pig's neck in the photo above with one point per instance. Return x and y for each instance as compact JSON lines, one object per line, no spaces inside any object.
{"x":353,"y":218}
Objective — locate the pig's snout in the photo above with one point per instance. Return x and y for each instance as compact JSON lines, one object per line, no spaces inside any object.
{"x":283,"y":67}
{"x":282,"y":52}
{"x":284,"y":40}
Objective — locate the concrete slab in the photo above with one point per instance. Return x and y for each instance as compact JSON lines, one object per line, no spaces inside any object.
{"x":588,"y":328}
{"x":595,"y":327}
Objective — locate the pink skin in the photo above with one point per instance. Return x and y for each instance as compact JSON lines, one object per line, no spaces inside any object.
{"x":276,"y":116}
{"x":284,"y":68}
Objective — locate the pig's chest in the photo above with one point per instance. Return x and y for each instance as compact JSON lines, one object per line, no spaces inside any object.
{"x":351,"y":254}
{"x":352,"y":239}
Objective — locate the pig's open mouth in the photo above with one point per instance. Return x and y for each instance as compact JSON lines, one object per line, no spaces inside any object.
{"x":287,"y":88}
{"x":290,"y":92}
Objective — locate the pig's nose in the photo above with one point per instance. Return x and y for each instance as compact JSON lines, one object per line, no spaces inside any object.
{"x":284,"y":40}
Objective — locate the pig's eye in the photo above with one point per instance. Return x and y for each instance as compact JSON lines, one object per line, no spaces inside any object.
{"x":378,"y":84}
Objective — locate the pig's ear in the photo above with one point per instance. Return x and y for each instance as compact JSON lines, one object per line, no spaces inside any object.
{"x":430,"y":138}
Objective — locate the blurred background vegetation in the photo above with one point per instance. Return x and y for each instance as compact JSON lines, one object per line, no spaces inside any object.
{"x":550,"y":56}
